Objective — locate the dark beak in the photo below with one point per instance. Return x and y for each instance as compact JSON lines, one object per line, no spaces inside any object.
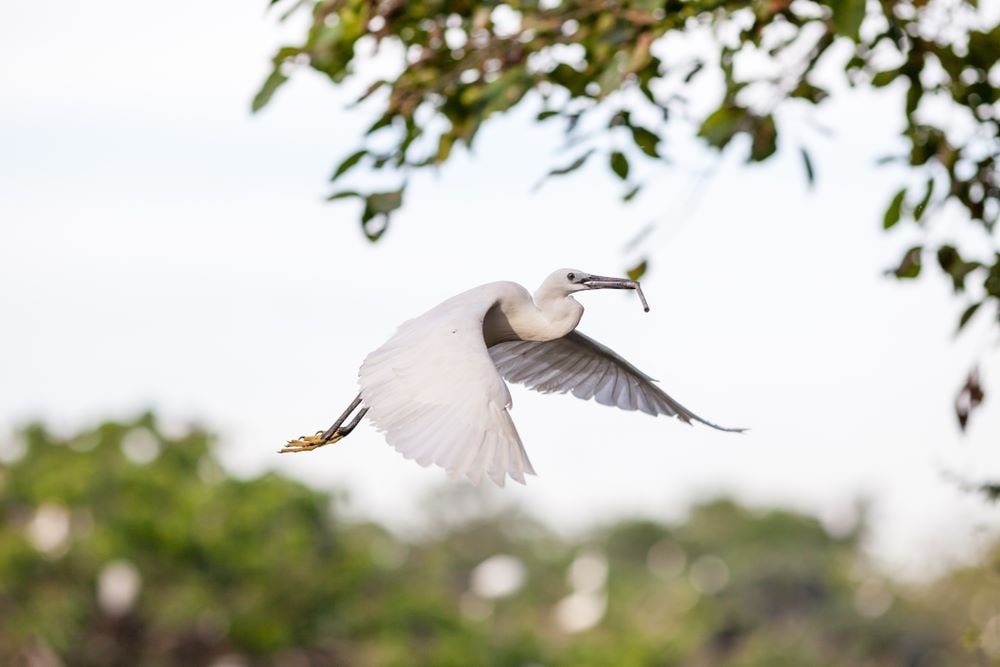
{"x":603,"y":282}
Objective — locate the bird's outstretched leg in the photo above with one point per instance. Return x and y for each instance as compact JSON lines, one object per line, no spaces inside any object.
{"x":333,"y":434}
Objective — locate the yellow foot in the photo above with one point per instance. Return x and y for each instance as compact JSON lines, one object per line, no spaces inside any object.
{"x":309,"y":443}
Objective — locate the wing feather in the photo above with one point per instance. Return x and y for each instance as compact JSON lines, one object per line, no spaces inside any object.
{"x":578,"y":364}
{"x":585,"y":386}
{"x":435,"y":393}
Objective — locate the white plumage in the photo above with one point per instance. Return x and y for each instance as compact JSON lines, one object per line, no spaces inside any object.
{"x":434,"y":392}
{"x":436,"y":387}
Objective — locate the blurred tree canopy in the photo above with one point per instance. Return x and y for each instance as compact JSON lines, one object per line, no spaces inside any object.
{"x":123,"y":546}
{"x":608,"y":73}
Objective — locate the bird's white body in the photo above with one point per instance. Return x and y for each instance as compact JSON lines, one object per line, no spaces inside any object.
{"x":436,"y":387}
{"x":433,"y":390}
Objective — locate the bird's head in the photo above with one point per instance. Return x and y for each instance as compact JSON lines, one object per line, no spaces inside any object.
{"x":564,"y":282}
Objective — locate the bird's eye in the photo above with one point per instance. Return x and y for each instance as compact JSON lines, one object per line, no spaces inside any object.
{"x":571,"y":276}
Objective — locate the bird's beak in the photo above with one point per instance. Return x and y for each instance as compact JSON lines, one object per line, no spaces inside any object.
{"x":603,"y":282}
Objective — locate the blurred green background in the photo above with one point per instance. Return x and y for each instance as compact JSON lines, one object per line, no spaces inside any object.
{"x":124,"y":546}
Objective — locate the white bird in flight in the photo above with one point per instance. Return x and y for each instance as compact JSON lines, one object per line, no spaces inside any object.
{"x":436,"y":387}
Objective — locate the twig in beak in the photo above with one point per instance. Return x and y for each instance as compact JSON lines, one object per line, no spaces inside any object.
{"x":601,"y":282}
{"x":642,"y":297}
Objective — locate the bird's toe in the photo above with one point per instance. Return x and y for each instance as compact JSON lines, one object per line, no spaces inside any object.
{"x":309,"y":443}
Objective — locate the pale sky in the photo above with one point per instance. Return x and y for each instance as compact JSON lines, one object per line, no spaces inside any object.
{"x":165,"y":249}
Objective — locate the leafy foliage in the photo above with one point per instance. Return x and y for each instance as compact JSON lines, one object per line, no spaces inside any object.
{"x":123,"y":546}
{"x":460,"y":63}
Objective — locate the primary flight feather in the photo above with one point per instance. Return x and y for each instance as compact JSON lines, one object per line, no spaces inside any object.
{"x":436,"y":387}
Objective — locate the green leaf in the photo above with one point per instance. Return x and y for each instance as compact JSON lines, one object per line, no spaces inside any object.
{"x":883,"y":79}
{"x":918,"y":211}
{"x":720,"y":126}
{"x":373,"y":228}
{"x":910,"y":265}
{"x":572,"y":166}
{"x":349,"y":162}
{"x":368,"y":92}
{"x":546,"y":114}
{"x":619,"y":164}
{"x":951,"y":262}
{"x":807,"y":91}
{"x":271,"y":84}
{"x":383,"y":203}
{"x":343,"y":194}
{"x":630,"y":195}
{"x":808,"y":164}
{"x":765,"y":138}
{"x":378,"y":208}
{"x":639,"y":270}
{"x":383,"y":121}
{"x":929,"y":143}
{"x":894,"y":211}
{"x":913,"y":96}
{"x":967,"y":315}
{"x":445,"y":144}
{"x":992,"y":281}
{"x":847,"y":17}
{"x":854,"y":63}
{"x":412,"y":132}
{"x":646,"y":140}
{"x":983,"y":47}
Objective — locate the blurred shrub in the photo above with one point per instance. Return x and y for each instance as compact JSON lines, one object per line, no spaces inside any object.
{"x":123,"y":546}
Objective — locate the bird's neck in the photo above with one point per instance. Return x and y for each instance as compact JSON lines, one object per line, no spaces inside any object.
{"x":558,"y":314}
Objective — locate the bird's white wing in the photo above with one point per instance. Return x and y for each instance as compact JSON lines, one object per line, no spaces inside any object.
{"x":435,"y":393}
{"x":579,"y":364}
